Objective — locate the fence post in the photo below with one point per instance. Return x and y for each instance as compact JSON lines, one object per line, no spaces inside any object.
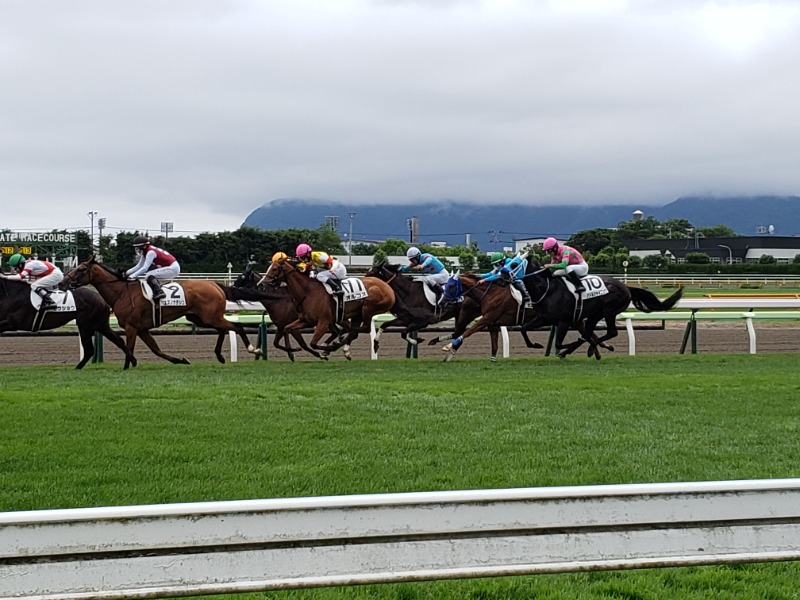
{"x":412,"y":350}
{"x":98,"y":347}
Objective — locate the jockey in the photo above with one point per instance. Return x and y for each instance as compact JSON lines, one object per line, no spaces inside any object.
{"x":435,"y":275}
{"x":157,"y":263}
{"x":515,"y":266}
{"x":566,"y":262}
{"x":328,"y":269}
{"x":43,"y":276}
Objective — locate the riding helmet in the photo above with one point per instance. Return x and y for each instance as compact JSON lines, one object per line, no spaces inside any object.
{"x":279,"y":256}
{"x":497,"y":258}
{"x":16,"y":260}
{"x":549,"y":244}
{"x":302,"y":250}
{"x":413,"y":253}
{"x":140,"y":240}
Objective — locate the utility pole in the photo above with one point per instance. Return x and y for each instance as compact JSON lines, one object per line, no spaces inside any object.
{"x":350,"y":240}
{"x":91,"y":214}
{"x":166,"y":229}
{"x":101,"y":224}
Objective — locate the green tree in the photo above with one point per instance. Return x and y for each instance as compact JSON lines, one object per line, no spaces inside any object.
{"x":718,"y":231}
{"x":698,"y":258}
{"x":767,"y":259}
{"x":393,"y":247}
{"x":654,"y":261}
{"x":466,"y":260}
{"x":592,"y":240}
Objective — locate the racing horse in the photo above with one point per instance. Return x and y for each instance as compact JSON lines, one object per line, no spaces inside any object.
{"x":91,"y":314}
{"x":204,"y":306}
{"x":605,"y":297}
{"x":493,"y":302}
{"x":317,"y":308}
{"x":418,"y":311}
{"x":281,"y":311}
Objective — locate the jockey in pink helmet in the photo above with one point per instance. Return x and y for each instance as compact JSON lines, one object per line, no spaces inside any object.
{"x":326,"y":268}
{"x":567,"y":262}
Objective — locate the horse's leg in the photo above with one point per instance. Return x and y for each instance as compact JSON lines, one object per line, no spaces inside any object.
{"x":218,"y":347}
{"x":494,"y":334}
{"x":453,"y":346}
{"x":528,"y":326}
{"x":611,"y":332}
{"x":88,"y":347}
{"x":130,"y":343}
{"x":147,"y":338}
{"x":114,"y":338}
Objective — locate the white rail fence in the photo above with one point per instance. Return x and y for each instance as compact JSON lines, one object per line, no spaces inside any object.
{"x":245,"y":546}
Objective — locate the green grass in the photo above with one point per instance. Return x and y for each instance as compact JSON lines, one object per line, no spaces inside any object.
{"x":162,"y":433}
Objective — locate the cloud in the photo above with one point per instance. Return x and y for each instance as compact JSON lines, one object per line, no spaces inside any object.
{"x":197,"y":112}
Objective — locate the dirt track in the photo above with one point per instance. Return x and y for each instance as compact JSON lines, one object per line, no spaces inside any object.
{"x":713,"y":338}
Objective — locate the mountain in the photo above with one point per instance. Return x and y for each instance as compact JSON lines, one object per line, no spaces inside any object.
{"x":497,"y":225}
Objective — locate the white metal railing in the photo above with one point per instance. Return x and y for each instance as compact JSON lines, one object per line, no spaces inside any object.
{"x":247,"y":546}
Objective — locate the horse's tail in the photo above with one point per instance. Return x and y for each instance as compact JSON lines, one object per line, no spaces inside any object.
{"x":647,"y":301}
{"x":238,"y":294}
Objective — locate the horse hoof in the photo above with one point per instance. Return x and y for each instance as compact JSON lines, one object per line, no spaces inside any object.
{"x":610,"y":348}
{"x":183,"y":361}
{"x":493,"y":359}
{"x":537,"y":345}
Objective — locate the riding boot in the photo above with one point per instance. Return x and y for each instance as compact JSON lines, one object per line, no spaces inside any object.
{"x":155,"y":285}
{"x":526,"y":298}
{"x":574,"y":278}
{"x":47,"y":301}
{"x":438,"y":291}
{"x":336,"y":286}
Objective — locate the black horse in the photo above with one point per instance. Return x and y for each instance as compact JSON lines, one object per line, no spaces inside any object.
{"x":91,"y":314}
{"x":413,"y":310}
{"x":605,"y":297}
{"x":281,"y":310}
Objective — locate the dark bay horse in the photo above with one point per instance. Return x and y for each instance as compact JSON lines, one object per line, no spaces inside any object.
{"x":493,"y":302}
{"x":416,"y":312}
{"x":605,"y":297}
{"x":205,"y":304}
{"x":316,"y":308}
{"x":91,"y":315}
{"x":281,"y":310}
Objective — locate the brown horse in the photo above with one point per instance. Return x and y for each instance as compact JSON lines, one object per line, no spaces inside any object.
{"x":91,"y":314}
{"x":280,"y":309}
{"x":317,"y":308}
{"x":204,"y":306}
{"x":497,"y":308}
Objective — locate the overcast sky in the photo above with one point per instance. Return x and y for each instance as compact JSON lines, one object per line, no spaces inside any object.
{"x":197,"y":112}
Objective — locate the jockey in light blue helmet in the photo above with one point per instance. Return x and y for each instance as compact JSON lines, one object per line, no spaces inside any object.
{"x":435,"y":273}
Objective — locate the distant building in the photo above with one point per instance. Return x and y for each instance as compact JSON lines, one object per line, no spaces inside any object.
{"x":727,"y":250}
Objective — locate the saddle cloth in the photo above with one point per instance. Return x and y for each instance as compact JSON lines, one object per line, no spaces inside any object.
{"x":175,"y":295}
{"x":353,"y":289}
{"x":65,"y":301}
{"x":595,"y":286}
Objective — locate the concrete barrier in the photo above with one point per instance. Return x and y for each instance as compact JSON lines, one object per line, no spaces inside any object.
{"x":245,"y":546}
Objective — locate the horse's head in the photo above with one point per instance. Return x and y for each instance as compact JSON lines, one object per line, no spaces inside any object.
{"x":453,"y":291}
{"x":80,"y":275}
{"x":383,"y":270}
{"x":278,"y":271}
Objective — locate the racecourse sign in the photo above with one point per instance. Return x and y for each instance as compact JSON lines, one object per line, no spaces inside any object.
{"x":60,"y":245}
{"x":27,"y":237}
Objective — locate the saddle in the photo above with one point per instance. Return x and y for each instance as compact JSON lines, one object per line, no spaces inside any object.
{"x":64,"y":301}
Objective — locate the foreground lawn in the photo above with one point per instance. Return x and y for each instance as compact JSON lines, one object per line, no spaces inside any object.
{"x":162,"y":433}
